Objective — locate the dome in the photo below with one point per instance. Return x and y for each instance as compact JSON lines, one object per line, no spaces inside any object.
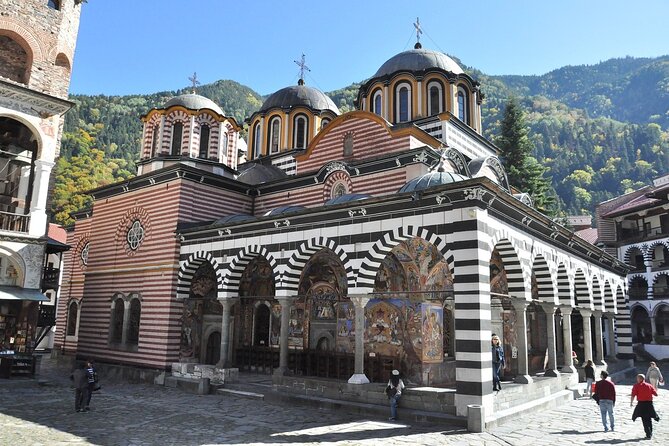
{"x":299,"y":95}
{"x":255,"y":173}
{"x":432,"y":179}
{"x":346,"y":198}
{"x":194,"y":101}
{"x":285,"y":210}
{"x":418,"y":59}
{"x":234,"y":218}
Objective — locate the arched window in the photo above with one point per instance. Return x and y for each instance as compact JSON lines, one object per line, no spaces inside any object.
{"x":225,"y":144}
{"x":177,"y":135}
{"x":118,"y":310}
{"x":256,"y":140}
{"x":435,"y":101}
{"x":14,"y":60}
{"x":204,"y":141}
{"x":274,"y":134}
{"x":72,"y":315}
{"x":155,"y":142}
{"x":53,"y":4}
{"x":300,"y":130}
{"x":133,"y":321}
{"x":377,"y":103}
{"x":463,"y":107}
{"x":402,"y":103}
{"x":324,"y":122}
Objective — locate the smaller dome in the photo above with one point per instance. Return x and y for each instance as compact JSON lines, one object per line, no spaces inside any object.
{"x":255,"y":173}
{"x":418,"y":59}
{"x":194,"y":101}
{"x":346,"y":198}
{"x":432,"y":179}
{"x":234,"y":218}
{"x":299,"y":95}
{"x":285,"y":210}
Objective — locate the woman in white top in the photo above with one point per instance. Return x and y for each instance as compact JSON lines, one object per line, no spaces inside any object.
{"x":394,"y":392}
{"x":654,"y":375}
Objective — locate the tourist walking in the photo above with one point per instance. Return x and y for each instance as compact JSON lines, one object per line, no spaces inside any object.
{"x":654,"y":375}
{"x":394,"y":392}
{"x":497,"y":362}
{"x":81,"y":392}
{"x":589,"y":376}
{"x":605,"y":395}
{"x":91,"y":379}
{"x":644,"y":408}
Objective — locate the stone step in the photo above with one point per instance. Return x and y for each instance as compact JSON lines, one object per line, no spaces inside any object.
{"x":368,"y":410}
{"x":240,"y":394}
{"x":534,"y":405}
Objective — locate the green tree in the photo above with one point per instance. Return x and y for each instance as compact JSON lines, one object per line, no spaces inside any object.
{"x":523,"y":170}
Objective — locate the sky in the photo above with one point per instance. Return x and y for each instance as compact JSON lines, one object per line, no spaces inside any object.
{"x":147,"y":46}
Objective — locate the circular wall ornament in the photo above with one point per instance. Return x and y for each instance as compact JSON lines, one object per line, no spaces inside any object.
{"x":84,"y":253}
{"x":135,"y":235}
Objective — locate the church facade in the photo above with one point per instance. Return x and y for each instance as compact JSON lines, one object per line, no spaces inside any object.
{"x":347,"y":245}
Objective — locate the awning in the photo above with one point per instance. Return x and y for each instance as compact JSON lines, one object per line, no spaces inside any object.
{"x":16,"y":293}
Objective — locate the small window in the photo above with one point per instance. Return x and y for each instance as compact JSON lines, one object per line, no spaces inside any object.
{"x":324,"y":123}
{"x":133,"y":321}
{"x":72,"y":313}
{"x":256,"y":141}
{"x":338,"y":190}
{"x":177,"y":135}
{"x":118,"y":311}
{"x":463,"y":111}
{"x":377,"y":101}
{"x":155,"y":142}
{"x":53,"y":4}
{"x":402,"y":103}
{"x":274,"y":134}
{"x":300,"y":132}
{"x":434,"y":99}
{"x":204,"y":141}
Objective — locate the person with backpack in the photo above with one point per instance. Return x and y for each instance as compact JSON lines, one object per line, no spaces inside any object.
{"x":394,"y":392}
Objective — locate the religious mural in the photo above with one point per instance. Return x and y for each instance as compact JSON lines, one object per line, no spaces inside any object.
{"x":256,"y":286}
{"x":201,"y":302}
{"x":345,"y":328}
{"x":407,"y":321}
{"x":322,"y":289}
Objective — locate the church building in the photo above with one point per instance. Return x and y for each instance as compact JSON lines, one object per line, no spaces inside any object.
{"x":345,"y":246}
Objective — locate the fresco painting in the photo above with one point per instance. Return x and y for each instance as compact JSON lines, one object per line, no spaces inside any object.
{"x":345,"y":340}
{"x":433,"y":324}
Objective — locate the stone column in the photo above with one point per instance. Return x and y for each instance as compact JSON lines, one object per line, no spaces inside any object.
{"x":223,"y":362}
{"x":521,"y":323}
{"x":285,"y":302}
{"x":610,"y":328}
{"x":653,"y":328}
{"x":359,"y":302}
{"x":599,"y":340}
{"x":566,"y":336}
{"x":587,"y":335}
{"x":551,"y":368}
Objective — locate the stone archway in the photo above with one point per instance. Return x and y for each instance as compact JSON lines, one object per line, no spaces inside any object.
{"x":641,"y":326}
{"x":410,"y":317}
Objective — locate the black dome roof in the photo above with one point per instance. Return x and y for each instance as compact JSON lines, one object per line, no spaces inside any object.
{"x":285,"y":210}
{"x":193,"y":101}
{"x":345,"y":199}
{"x":432,"y":179}
{"x":418,"y":59}
{"x":234,"y":218}
{"x":299,"y":95}
{"x":255,"y":173}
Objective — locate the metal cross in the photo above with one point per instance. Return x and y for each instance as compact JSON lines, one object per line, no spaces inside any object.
{"x":419,"y":31}
{"x":303,"y":67}
{"x":194,"y":81}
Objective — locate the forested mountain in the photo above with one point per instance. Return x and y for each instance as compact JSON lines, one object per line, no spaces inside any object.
{"x":601,"y":130}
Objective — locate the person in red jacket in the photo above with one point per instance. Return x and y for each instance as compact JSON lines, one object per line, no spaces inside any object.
{"x":605,"y":395}
{"x":644,"y":394}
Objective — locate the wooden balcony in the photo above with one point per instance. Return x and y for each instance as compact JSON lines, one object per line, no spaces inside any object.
{"x":14,"y":222}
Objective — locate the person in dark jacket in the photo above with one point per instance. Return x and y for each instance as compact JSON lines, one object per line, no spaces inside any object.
{"x":497,"y":362}
{"x":81,"y":392}
{"x":394,"y":392}
{"x":605,"y":395}
{"x":644,"y":409}
{"x":589,"y":376}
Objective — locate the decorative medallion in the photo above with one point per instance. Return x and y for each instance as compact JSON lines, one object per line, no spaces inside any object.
{"x":135,"y":235}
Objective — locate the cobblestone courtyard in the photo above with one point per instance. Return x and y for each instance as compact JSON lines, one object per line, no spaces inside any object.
{"x":126,"y":414}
